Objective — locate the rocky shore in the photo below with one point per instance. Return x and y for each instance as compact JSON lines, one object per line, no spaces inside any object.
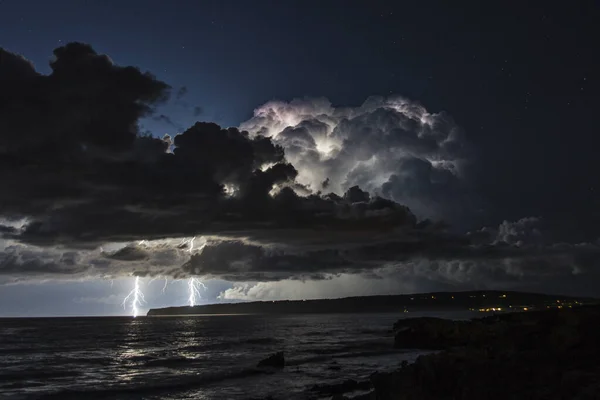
{"x":552,"y":354}
{"x":538,"y":355}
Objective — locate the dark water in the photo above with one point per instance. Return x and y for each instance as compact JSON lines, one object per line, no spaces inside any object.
{"x":191,"y":357}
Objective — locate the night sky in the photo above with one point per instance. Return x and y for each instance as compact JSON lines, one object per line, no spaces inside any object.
{"x":478,"y":117}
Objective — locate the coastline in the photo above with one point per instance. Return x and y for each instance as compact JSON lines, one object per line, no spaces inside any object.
{"x":549,"y":354}
{"x":481,"y":300}
{"x":543,"y":348}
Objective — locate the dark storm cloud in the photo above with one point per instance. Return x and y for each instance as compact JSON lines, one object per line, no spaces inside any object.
{"x":22,"y":261}
{"x":129,"y":253}
{"x":428,"y":254}
{"x":15,"y":67}
{"x":8,"y":230}
{"x":89,"y":195}
{"x":59,"y":131}
{"x":86,"y":103}
{"x":236,"y":261}
{"x":82,"y":175}
{"x":285,"y":218}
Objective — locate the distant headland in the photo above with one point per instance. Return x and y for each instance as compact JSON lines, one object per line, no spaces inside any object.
{"x":483,"y":301}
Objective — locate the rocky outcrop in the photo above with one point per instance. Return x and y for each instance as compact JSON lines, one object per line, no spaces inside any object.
{"x":539,"y":355}
{"x":338,"y":389}
{"x":277,"y":360}
{"x":440,"y":334}
{"x":428,"y":333}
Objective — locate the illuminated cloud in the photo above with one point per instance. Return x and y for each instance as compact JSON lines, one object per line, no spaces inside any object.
{"x":390,"y":146}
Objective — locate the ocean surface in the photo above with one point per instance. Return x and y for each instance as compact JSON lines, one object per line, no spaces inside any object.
{"x":193,"y":357}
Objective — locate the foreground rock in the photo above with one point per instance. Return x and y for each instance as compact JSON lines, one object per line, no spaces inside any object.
{"x":277,"y":360}
{"x":549,"y":355}
{"x":429,"y":333}
{"x":440,"y":334}
{"x":338,"y":389}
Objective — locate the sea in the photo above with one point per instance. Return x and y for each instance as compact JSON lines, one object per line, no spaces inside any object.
{"x":201,"y":357}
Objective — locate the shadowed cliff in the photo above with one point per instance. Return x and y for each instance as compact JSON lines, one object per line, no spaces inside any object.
{"x":475,"y":300}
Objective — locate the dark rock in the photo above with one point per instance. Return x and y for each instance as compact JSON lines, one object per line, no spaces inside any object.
{"x":277,"y":360}
{"x":339,"y":397}
{"x":346,"y":386}
{"x":536,"y":355}
{"x":366,"y":396}
{"x":439,"y":334}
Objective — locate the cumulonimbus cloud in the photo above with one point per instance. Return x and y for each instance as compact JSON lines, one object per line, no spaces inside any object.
{"x":81,"y":174}
{"x":303,"y":190}
{"x":390,"y":146}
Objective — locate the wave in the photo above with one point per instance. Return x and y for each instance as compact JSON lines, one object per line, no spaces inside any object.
{"x":188,"y":382}
{"x":37,"y":374}
{"x":316,"y":333}
{"x":352,"y":346}
{"x":102,"y":361}
{"x":328,"y":357}
{"x":170,"y":362}
{"x":139,"y":359}
{"x":366,"y":331}
{"x":15,"y":351}
{"x":179,"y":384}
{"x":264,"y":340}
{"x":371,"y":331}
{"x":231,"y":344}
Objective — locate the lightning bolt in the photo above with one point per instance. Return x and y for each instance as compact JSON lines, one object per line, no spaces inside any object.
{"x":136,"y":296}
{"x":193,"y":286}
{"x":160,"y":277}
